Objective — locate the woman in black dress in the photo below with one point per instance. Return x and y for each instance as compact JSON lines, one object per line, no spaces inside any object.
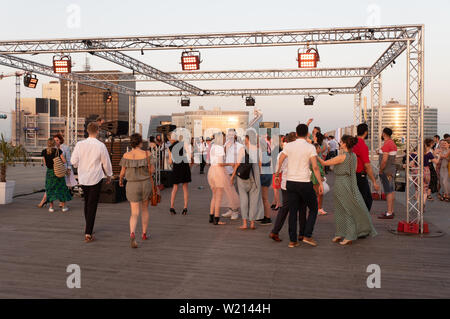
{"x":180,"y":156}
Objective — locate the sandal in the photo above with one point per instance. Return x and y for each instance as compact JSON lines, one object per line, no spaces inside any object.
{"x":89,"y":238}
{"x":218,"y":222}
{"x":441,"y":198}
{"x":429,"y":197}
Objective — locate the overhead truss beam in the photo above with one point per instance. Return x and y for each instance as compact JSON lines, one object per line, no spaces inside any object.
{"x":242,"y":75}
{"x":214,"y":40}
{"x":253,"y":92}
{"x":143,"y":68}
{"x":38,"y":68}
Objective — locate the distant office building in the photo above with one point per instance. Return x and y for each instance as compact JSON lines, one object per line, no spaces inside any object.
{"x":39,"y":120}
{"x":157,"y":120}
{"x":52,"y":90}
{"x":204,"y":121}
{"x":394,"y":116}
{"x":91,"y":100}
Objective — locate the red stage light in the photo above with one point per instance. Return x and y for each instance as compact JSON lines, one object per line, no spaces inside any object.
{"x":190,"y":60}
{"x":62,"y":64}
{"x":308,"y":59}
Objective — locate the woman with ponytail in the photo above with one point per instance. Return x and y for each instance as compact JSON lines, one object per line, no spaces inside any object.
{"x":352,"y":218}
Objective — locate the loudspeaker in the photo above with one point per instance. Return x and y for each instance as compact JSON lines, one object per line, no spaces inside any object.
{"x":112,"y":192}
{"x":166,"y":178}
{"x":167,"y":128}
{"x":116,"y":128}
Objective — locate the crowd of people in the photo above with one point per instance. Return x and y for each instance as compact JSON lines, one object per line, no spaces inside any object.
{"x":241,"y":173}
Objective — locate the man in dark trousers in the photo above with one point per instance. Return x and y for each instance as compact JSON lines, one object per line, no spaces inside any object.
{"x":364,"y":167}
{"x":91,"y":158}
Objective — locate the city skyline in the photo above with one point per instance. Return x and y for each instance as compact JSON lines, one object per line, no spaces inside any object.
{"x":265,"y":17}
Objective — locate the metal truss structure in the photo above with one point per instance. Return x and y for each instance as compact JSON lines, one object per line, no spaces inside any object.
{"x":401,"y":38}
{"x":252,"y":92}
{"x":142,"y":68}
{"x":38,"y":68}
{"x":376,"y":124}
{"x":294,"y":74}
{"x":215,"y":40}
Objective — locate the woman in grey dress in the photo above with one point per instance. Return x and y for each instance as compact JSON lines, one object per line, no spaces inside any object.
{"x":136,"y":170}
{"x":249,"y":189}
{"x":352,"y":218}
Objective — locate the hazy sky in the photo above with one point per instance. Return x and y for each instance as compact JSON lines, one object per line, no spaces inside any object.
{"x":53,"y":19}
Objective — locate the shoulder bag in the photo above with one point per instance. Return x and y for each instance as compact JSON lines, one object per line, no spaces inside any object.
{"x":58,"y":166}
{"x":155,"y":197}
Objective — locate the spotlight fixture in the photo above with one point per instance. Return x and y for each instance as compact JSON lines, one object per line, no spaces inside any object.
{"x":185,"y":101}
{"x":308,"y":59}
{"x":190,"y":60}
{"x":107,"y":96}
{"x":309,"y":100}
{"x":30,"y":80}
{"x":3,"y":116}
{"x":250,"y":101}
{"x":62,"y":64}
{"x":330,"y":92}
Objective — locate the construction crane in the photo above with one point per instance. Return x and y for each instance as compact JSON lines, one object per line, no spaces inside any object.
{"x":17,"y":74}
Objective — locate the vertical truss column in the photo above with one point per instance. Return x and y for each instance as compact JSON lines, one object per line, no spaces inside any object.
{"x":357,"y":112}
{"x":76,"y":115}
{"x":131,"y":114}
{"x":18,"y":112}
{"x":72,"y":100}
{"x":415,"y":136}
{"x":376,"y":115}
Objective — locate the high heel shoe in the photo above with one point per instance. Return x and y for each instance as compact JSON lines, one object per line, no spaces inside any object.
{"x":184,"y":212}
{"x":133,"y":241}
{"x":211,"y":219}
{"x":144,"y":236}
{"x":172,"y":211}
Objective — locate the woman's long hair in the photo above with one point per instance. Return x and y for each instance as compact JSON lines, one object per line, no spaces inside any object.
{"x":50,"y":145}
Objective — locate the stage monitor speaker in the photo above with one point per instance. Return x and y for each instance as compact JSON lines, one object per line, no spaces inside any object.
{"x":112,"y":192}
{"x":116,"y":128}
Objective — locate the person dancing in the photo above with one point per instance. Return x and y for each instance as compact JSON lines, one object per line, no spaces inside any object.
{"x":219,"y":181}
{"x":351,"y":214}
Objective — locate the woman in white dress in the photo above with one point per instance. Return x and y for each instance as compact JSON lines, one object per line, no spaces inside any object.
{"x":219,"y":181}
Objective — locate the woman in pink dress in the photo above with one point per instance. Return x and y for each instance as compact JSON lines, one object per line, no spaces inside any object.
{"x":219,"y":181}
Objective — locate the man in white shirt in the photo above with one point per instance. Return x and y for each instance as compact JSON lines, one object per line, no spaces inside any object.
{"x":300,"y":190}
{"x":232,"y":148}
{"x":92,"y":160}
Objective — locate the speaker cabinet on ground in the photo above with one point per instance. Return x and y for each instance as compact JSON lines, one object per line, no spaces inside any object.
{"x":112,"y":192}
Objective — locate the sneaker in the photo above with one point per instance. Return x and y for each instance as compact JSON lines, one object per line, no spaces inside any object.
{"x":386,"y":216}
{"x":293,"y":245}
{"x":65,"y":209}
{"x":228,"y":214}
{"x":310,"y":241}
{"x":261,"y":220}
{"x":51,"y":210}
{"x":266,"y":221}
{"x":235,"y":215}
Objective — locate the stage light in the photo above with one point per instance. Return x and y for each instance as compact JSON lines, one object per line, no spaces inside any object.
{"x":3,"y":116}
{"x":250,"y":101}
{"x":107,"y":96}
{"x":62,"y":64}
{"x":185,"y":101}
{"x":30,"y":80}
{"x":190,"y":60}
{"x":309,"y":100}
{"x":308,"y":59}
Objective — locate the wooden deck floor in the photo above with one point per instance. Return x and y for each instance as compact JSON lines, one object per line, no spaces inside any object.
{"x":187,"y":257}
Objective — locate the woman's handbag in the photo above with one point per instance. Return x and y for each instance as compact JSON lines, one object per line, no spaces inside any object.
{"x":155,"y":197}
{"x":58,"y":166}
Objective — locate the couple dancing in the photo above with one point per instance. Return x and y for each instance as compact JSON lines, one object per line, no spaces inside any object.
{"x":351,"y":214}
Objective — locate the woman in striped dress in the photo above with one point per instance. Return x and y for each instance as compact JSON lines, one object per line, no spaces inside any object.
{"x":352,"y":218}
